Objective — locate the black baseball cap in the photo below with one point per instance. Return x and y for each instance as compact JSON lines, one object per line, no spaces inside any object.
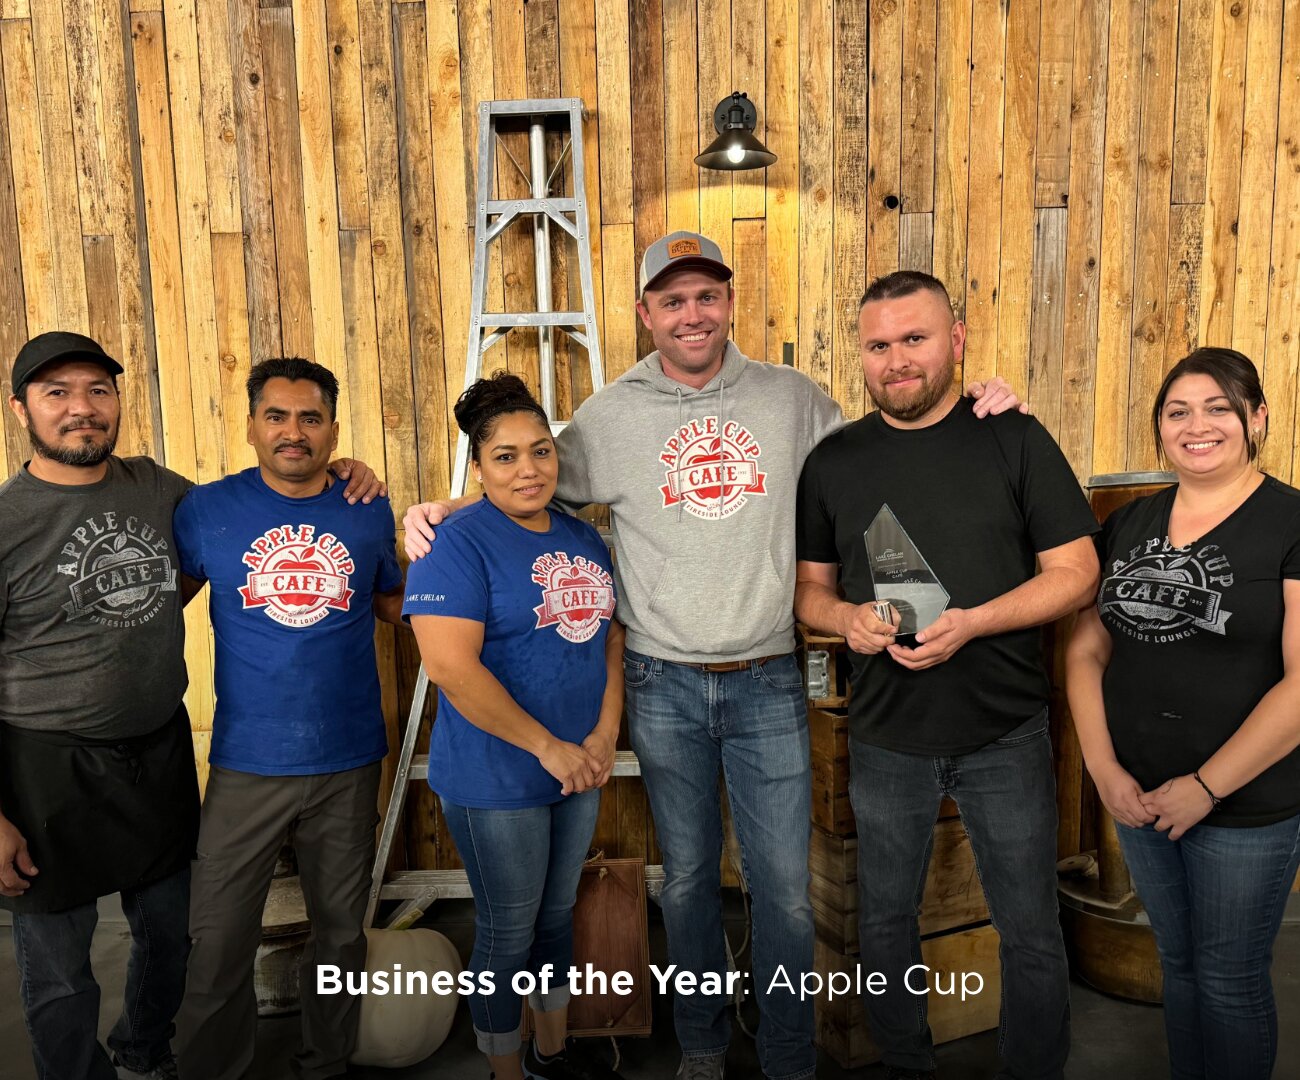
{"x":59,"y":346}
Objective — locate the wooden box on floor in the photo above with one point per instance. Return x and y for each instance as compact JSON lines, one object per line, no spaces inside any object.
{"x":953,"y":896}
{"x":842,"y":1029}
{"x":828,"y":736}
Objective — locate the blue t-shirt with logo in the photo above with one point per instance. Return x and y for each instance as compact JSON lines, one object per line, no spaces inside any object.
{"x":292,"y":585}
{"x":545,"y":600}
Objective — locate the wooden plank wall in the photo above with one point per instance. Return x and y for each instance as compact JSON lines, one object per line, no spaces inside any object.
{"x":204,"y":183}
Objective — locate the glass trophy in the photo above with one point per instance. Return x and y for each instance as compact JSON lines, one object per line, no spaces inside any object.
{"x":902,"y":578}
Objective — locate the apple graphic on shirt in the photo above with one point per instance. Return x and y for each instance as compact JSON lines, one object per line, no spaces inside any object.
{"x":123,"y":552}
{"x":578,"y":617}
{"x":713,"y":455}
{"x":303,"y":561}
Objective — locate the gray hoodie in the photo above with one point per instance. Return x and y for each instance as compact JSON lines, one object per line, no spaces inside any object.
{"x":701,"y":485}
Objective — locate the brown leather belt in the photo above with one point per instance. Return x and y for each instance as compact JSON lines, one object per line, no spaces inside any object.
{"x":732,"y":665}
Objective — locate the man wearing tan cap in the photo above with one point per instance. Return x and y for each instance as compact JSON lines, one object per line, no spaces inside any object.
{"x":697,"y":451}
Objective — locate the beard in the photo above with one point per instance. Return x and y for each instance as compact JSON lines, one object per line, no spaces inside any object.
{"x":916,"y":403}
{"x":83,"y":455}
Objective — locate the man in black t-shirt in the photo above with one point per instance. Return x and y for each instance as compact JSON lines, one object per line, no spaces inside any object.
{"x":960,"y":709}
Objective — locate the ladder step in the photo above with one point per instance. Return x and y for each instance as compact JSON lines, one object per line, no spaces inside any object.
{"x":531,"y":206}
{"x":532,"y":318}
{"x":530,"y":106}
{"x":625,"y":764}
{"x":454,"y":885}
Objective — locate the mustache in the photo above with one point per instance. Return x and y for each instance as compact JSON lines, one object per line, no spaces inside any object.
{"x":83,"y":425}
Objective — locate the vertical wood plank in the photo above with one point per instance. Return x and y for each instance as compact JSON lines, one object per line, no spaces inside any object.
{"x":1056,"y":59}
{"x":1047,"y":328}
{"x":1118,"y":207}
{"x":984,"y":223}
{"x":1192,"y":110}
{"x":35,"y":235}
{"x":715,"y":83}
{"x":1083,"y":237}
{"x":1015,"y":277}
{"x":297,"y":333}
{"x":748,"y":73}
{"x":252,"y":144}
{"x":420,"y":242}
{"x":920,"y":44}
{"x":1258,"y":161}
{"x":185,"y":103}
{"x":885,"y":104}
{"x":450,"y":195}
{"x":1282,"y":357}
{"x":952,"y":149}
{"x":619,"y":285}
{"x":13,"y":318}
{"x":816,"y":206}
{"x":343,"y":32}
{"x":782,"y":17}
{"x":649,"y":196}
{"x":1151,"y":247}
{"x":104,"y":321}
{"x":1182,"y":334}
{"x":361,"y":341}
{"x":386,"y":255}
{"x":614,"y":92}
{"x":1223,"y":167}
{"x":219,"y":142}
{"x":916,"y":242}
{"x":55,"y":110}
{"x":233,"y":348}
{"x":320,"y":196}
{"x":81,"y":41}
{"x":855,"y":183}
{"x":749,"y":259}
{"x":681,"y":126}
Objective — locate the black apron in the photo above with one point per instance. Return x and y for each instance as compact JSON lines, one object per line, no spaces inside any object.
{"x":99,"y":816}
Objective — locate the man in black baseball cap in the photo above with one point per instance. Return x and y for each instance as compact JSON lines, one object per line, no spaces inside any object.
{"x":56,"y":346}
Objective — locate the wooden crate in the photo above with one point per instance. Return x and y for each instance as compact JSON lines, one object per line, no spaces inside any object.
{"x":842,"y":1028}
{"x":953,"y":896}
{"x":828,"y":735}
{"x":836,"y":658}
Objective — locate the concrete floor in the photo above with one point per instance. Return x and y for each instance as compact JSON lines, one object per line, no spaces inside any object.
{"x":1113,"y":1040}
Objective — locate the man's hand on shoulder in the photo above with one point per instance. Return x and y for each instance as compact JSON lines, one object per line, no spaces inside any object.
{"x":363,"y":484}
{"x":16,"y":864}
{"x":419,"y":524}
{"x":995,"y":396}
{"x":938,"y":642}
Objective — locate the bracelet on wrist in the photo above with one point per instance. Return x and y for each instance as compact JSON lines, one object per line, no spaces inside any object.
{"x":1214,"y":799}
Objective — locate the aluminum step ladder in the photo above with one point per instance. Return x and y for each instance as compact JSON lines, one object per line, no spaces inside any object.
{"x":419,"y":888}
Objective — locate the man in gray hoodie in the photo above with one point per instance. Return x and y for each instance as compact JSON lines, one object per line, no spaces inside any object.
{"x":697,"y":451}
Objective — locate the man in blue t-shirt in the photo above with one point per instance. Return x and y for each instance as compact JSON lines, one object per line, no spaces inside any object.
{"x":298,"y":577}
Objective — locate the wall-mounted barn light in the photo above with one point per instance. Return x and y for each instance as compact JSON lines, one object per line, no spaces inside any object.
{"x":735,"y":147}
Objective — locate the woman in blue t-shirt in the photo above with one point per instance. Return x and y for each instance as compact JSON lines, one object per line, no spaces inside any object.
{"x":1184,"y":682}
{"x":513,"y":612}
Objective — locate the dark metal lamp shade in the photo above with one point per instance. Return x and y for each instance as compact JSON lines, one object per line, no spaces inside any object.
{"x":735,"y":147}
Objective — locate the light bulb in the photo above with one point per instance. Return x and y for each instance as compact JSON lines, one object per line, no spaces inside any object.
{"x":735,"y":153}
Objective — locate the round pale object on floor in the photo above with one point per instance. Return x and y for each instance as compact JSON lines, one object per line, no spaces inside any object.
{"x":405,"y":1028}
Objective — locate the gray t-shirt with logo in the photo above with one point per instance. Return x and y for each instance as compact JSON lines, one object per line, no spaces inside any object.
{"x":92,"y":640}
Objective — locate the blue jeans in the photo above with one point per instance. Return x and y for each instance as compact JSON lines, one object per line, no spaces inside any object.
{"x":1216,"y":897}
{"x":61,"y":998}
{"x":1006,"y":793}
{"x":523,"y":868}
{"x":752,"y":725}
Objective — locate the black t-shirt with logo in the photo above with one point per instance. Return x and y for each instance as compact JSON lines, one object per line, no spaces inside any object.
{"x":91,"y":632}
{"x":1196,"y":639}
{"x":977,"y":498}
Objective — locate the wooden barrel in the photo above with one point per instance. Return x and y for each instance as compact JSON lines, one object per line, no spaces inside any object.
{"x":1107,"y":930}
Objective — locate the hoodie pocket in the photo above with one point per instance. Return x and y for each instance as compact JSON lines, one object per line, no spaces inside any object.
{"x":697,"y":607}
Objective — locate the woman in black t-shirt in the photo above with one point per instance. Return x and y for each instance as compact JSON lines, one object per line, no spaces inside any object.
{"x":1184,"y":682}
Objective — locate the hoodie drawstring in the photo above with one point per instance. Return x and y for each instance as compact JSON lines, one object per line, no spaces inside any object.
{"x":680,"y":421}
{"x":722,"y":427}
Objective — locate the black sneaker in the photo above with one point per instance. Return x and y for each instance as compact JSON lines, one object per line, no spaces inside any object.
{"x":574,"y":1062}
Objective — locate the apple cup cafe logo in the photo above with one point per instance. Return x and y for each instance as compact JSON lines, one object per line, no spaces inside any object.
{"x":1159,"y":593}
{"x":711,"y":473}
{"x":297,"y":577}
{"x":121,"y":569}
{"x":576,"y":594}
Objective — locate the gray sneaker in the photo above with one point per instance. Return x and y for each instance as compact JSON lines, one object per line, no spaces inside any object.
{"x":702,"y":1068}
{"x":163,"y":1070}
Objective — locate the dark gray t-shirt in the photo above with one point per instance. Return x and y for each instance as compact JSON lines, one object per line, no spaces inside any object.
{"x":92,"y":640}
